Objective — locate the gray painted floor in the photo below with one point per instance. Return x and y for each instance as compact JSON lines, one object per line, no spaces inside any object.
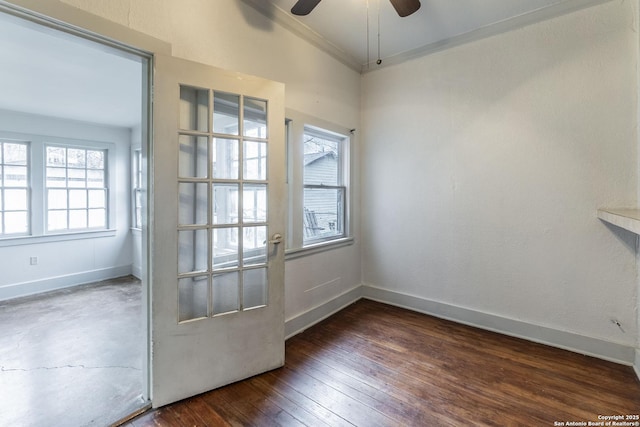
{"x":72,"y":357}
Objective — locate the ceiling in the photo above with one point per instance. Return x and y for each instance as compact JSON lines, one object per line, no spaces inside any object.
{"x":51,"y":73}
{"x":342,"y":24}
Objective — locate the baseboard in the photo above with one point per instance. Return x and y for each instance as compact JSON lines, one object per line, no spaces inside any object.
{"x":136,"y":270}
{"x":299,"y":323}
{"x":53,"y":283}
{"x":636,"y":365}
{"x":601,"y":349}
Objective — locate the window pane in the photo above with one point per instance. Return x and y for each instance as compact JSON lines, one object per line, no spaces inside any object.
{"x":193,"y":298}
{"x":57,"y":199}
{"x":192,"y":157}
{"x":76,"y":158}
{"x":95,"y":179}
{"x":97,"y":199}
{"x":254,"y":290}
{"x":56,"y":177}
{"x":225,"y":158}
{"x":225,"y":203}
{"x":321,"y":161}
{"x":56,"y":220}
{"x":15,"y":200}
{"x":77,"y":199}
{"x":323,"y":213}
{"x":15,"y":176}
{"x":14,"y":154}
{"x":226,"y":113}
{"x":254,"y":245}
{"x":255,"y":118}
{"x":77,"y":219}
{"x":194,"y":109}
{"x":255,"y":160}
{"x":225,"y":296}
{"x":97,"y":218}
{"x":225,"y":248}
{"x":56,"y":156}
{"x":16,"y":222}
{"x":192,"y":251}
{"x":95,"y":159}
{"x":77,"y":178}
{"x":254,"y":197}
{"x":193,"y":203}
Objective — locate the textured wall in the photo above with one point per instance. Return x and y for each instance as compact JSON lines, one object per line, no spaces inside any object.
{"x":484,"y":165}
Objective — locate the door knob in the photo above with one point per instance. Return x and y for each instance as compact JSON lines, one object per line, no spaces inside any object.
{"x":276,"y":239}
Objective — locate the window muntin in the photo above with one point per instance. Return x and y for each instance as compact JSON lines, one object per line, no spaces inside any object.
{"x":14,"y":188}
{"x":76,"y":188}
{"x":137,"y":188}
{"x":325,"y":190}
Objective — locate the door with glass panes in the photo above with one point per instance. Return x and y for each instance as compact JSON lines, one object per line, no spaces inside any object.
{"x":218,"y":202}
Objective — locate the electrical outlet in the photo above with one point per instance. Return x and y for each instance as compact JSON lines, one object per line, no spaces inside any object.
{"x":33,"y":260}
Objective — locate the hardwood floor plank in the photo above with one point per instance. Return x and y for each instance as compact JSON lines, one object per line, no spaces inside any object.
{"x":375,"y":364}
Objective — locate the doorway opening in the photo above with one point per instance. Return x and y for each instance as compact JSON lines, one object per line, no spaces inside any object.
{"x":73,"y":241}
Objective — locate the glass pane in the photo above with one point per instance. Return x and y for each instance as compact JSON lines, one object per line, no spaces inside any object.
{"x":192,"y":251}
{"x":323,"y":213}
{"x":225,"y":248}
{"x":56,"y":177}
{"x":255,"y":160}
{"x":77,"y":199}
{"x":254,"y":198}
{"x":225,"y":158}
{"x":254,"y":289}
{"x":255,"y":118}
{"x":97,"y":198}
{"x":77,"y":178}
{"x":226,"y":289}
{"x":226,"y":113}
{"x":97,"y":218}
{"x":193,"y":203}
{"x":95,"y":179}
{"x":15,"y":176}
{"x":1,"y":221}
{"x":76,"y":158}
{"x":254,"y":245}
{"x":57,"y":199}
{"x":194,"y":109}
{"x":95,"y":159}
{"x":78,"y":218}
{"x":14,"y":154}
{"x":56,"y":156}
{"x":321,"y":160}
{"x":193,"y":298}
{"x":225,"y":203}
{"x":15,"y":200}
{"x":56,"y":220}
{"x":192,"y":157}
{"x":16,"y":222}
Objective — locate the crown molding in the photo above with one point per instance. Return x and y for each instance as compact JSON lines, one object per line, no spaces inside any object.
{"x":287,"y":21}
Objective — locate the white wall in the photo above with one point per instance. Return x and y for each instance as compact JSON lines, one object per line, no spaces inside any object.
{"x":484,"y":165}
{"x":64,"y":263}
{"x":231,"y":35}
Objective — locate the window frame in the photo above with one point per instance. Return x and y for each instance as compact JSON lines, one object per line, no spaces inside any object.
{"x":296,"y":125}
{"x":4,"y":188}
{"x":37,"y":190}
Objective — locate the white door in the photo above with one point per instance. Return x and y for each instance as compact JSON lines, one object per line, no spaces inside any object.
{"x":218,"y":215}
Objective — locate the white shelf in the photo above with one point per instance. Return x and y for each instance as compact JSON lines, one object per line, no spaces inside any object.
{"x":626,"y":218}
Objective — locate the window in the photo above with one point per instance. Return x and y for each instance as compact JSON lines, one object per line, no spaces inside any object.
{"x":76,"y":188}
{"x":319,"y":184}
{"x":324,"y":189}
{"x":14,"y":188}
{"x":137,"y":188}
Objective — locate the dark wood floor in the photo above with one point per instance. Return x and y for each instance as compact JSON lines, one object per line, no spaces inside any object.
{"x":377,"y":365}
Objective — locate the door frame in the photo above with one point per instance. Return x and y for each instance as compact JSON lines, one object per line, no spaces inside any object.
{"x":62,"y":17}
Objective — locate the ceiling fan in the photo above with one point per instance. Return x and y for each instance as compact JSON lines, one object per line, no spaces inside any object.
{"x":403,"y":7}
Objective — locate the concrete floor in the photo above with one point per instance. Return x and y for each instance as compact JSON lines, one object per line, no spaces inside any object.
{"x":72,"y":357}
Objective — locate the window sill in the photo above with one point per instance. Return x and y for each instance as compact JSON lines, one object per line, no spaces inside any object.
{"x":317,"y":248}
{"x":50,"y":238}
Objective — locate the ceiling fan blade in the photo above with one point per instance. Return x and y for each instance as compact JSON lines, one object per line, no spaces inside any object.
{"x":405,"y":7}
{"x":304,"y":7}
